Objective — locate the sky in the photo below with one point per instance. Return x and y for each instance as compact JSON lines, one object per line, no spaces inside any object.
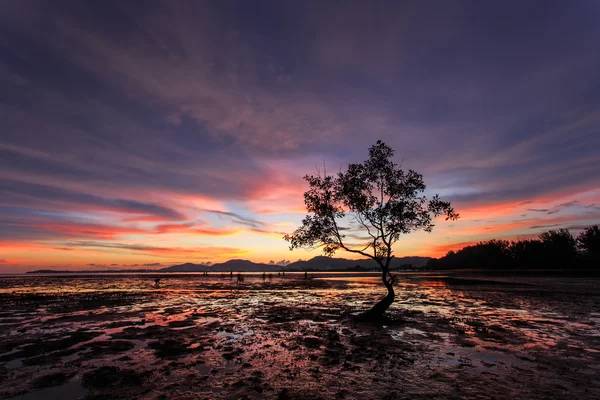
{"x":179,"y":131}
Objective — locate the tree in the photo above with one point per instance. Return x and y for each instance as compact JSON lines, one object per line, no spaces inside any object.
{"x":364,"y":210}
{"x":528,"y":253}
{"x":559,"y":248}
{"x":588,"y":241}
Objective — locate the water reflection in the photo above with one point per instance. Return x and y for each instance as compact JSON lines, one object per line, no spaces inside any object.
{"x":296,"y":331}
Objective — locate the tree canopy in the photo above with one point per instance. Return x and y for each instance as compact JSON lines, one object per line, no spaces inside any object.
{"x":553,"y":250}
{"x":365,"y":210}
{"x":376,"y":198}
{"x":588,"y":242}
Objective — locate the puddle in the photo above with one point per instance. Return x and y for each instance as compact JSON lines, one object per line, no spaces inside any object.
{"x":478,"y":358}
{"x":202,"y":369}
{"x":399,"y":335}
{"x":17,"y":363}
{"x":69,"y":391}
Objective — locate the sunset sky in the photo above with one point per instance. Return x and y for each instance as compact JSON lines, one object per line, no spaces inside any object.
{"x":179,"y":131}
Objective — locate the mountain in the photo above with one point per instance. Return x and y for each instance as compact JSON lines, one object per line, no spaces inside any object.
{"x":242,"y":265}
{"x":327,"y":263}
{"x":231,"y":265}
{"x":333,"y":264}
{"x":319,"y":263}
{"x":187,"y":267}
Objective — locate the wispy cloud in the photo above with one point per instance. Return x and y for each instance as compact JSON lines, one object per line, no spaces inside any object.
{"x":206,"y":251}
{"x":194,"y":121}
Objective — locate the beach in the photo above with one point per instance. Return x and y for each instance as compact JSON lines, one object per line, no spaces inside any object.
{"x":211,"y":337}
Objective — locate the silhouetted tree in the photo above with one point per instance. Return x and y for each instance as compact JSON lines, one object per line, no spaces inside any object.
{"x":491,"y":254}
{"x":381,"y":200}
{"x":555,"y":249}
{"x":588,"y":242}
{"x":494,"y":254}
{"x":560,"y":248}
{"x":527,"y":254}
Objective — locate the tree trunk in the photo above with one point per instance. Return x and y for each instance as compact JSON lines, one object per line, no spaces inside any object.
{"x":378,"y":309}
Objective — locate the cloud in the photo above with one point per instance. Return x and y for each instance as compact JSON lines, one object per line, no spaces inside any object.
{"x":559,"y":207}
{"x":208,"y":251}
{"x":192,"y":121}
{"x":152,"y":265}
{"x":544,"y":226}
{"x":282,"y":263}
{"x":22,"y":193}
{"x":196,"y":229}
{"x":239,"y":219}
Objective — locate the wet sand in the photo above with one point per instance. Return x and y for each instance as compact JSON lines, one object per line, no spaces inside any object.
{"x":208,"y":337}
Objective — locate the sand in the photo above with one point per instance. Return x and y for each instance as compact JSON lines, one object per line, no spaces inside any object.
{"x":209,"y":337}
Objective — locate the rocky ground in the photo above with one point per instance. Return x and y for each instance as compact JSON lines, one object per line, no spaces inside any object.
{"x":209,"y":337}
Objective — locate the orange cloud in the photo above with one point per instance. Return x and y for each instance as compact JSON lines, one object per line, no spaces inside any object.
{"x":204,"y":252}
{"x":89,"y":230}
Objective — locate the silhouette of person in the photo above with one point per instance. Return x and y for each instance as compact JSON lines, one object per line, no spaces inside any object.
{"x":156,"y":282}
{"x":230,"y":274}
{"x":305,"y":275}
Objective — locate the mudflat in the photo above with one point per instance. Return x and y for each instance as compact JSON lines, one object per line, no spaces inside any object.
{"x":210,"y":337}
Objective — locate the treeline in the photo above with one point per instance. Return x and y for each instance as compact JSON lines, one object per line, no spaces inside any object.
{"x":555,"y":249}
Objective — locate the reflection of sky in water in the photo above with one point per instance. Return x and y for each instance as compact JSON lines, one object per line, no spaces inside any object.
{"x":539,"y":322}
{"x":475,"y":325}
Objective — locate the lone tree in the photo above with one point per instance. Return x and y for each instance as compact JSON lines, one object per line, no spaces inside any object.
{"x":376,"y":199}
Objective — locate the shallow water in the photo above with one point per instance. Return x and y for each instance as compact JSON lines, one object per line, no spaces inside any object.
{"x":201,"y":336}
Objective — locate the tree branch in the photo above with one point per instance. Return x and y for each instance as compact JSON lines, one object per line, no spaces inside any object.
{"x":343,"y":246}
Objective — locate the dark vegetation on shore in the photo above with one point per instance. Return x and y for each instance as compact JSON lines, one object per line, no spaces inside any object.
{"x":553,"y":250}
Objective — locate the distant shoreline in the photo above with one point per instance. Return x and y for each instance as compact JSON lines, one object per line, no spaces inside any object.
{"x":574,"y":273}
{"x":319,"y":263}
{"x":159,"y":271}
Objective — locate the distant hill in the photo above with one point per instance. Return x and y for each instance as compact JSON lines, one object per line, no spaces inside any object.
{"x":231,"y":265}
{"x":187,"y":267}
{"x":338,"y":264}
{"x":319,"y":263}
{"x":242,"y":265}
